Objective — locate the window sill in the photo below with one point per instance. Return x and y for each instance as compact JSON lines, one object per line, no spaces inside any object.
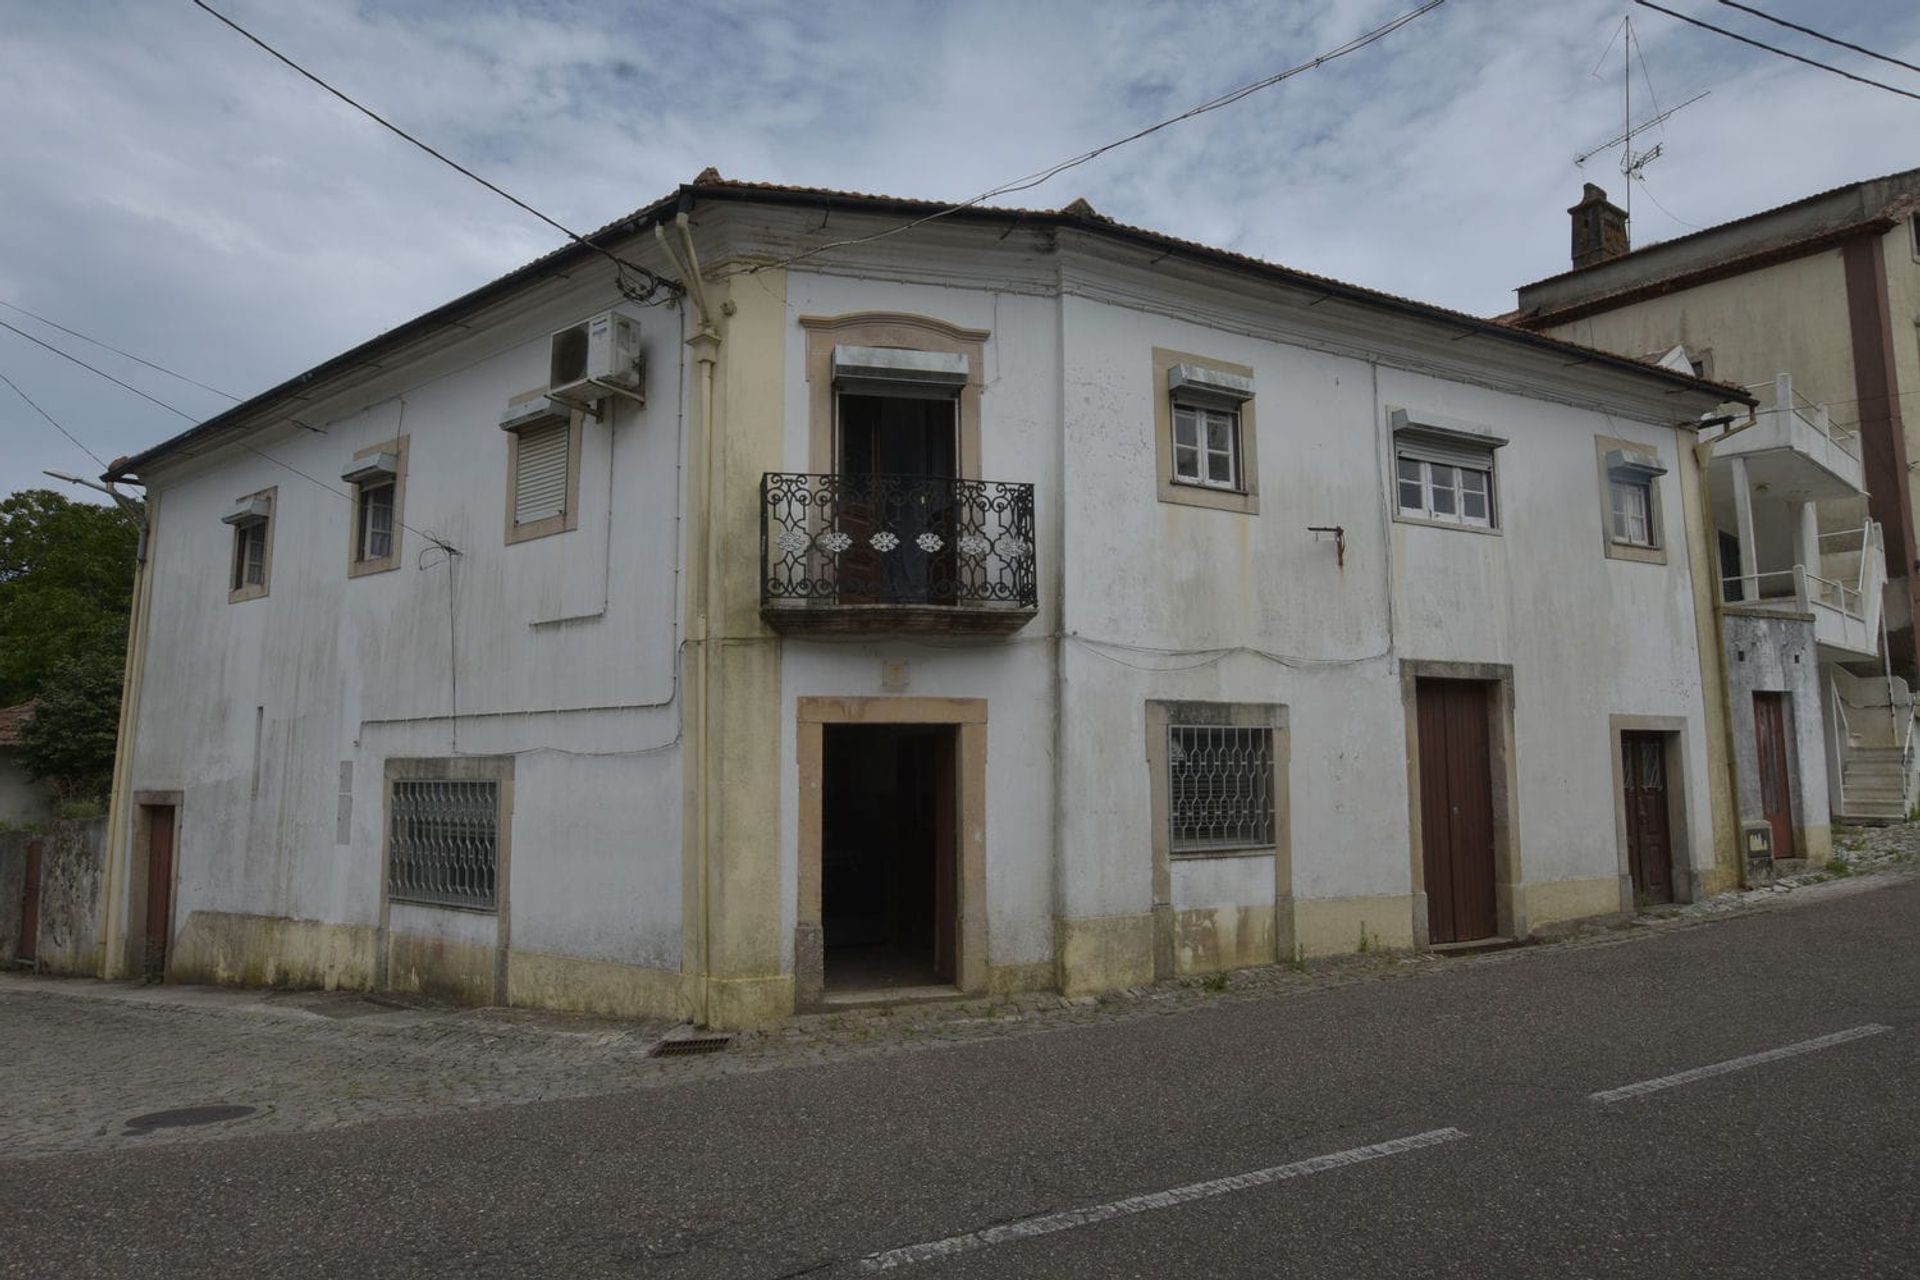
{"x":243,"y":594}
{"x":546,"y":528}
{"x":1400,"y":517}
{"x":1179,"y":493}
{"x":1203,"y":855}
{"x":364,"y":568}
{"x":1634,"y":553}
{"x":424,"y":905}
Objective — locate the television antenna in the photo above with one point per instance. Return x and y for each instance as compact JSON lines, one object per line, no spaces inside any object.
{"x":1633,"y":163}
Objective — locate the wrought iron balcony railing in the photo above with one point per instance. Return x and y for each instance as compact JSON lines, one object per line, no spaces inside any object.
{"x":896,"y":551}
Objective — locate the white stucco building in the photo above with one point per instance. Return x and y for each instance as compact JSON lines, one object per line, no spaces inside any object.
{"x":1024,"y":601}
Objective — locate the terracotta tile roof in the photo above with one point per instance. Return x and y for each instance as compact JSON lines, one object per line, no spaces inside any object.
{"x":11,"y":718}
{"x":709,"y":184}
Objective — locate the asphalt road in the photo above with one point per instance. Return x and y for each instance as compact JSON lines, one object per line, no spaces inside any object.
{"x":1805,"y":1165}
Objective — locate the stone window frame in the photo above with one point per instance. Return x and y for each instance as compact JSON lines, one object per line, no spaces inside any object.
{"x":567,"y":520}
{"x":1614,"y":548}
{"x":358,"y":567}
{"x":1161,"y":715}
{"x":903,"y":330}
{"x":237,"y":589}
{"x":1244,"y":500}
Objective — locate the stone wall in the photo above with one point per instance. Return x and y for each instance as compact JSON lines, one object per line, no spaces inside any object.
{"x":71,"y":862}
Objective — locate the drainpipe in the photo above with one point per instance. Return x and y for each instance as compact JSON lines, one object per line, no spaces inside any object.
{"x":701,"y":551}
{"x":1703,"y":454}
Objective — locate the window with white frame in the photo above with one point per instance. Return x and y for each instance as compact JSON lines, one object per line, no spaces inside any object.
{"x":1444,"y":473}
{"x":375,"y":536}
{"x":1207,"y":423}
{"x":251,"y":566}
{"x":1633,"y":508}
{"x":375,"y":478}
{"x":1206,"y":446}
{"x":1219,"y":788}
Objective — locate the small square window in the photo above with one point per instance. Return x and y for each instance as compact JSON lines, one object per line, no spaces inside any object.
{"x":1206,"y":447}
{"x":1632,"y":512}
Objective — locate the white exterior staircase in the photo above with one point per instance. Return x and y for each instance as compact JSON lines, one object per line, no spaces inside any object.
{"x":1873,"y":747}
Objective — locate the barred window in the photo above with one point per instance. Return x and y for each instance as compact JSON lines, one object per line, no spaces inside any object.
{"x":444,"y":836}
{"x":1220,"y":787}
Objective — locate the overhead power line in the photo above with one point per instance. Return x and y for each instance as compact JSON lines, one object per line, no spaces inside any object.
{"x":654,"y":281}
{"x":1053,"y":171}
{"x":55,"y":423}
{"x":101,"y":372}
{"x":107,"y":346}
{"x":1809,"y":31}
{"x":1734,"y":35}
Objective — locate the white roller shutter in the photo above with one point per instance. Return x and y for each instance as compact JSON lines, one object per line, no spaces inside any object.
{"x":540,"y":475}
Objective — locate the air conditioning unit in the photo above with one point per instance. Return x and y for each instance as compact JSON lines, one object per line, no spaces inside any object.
{"x":598,"y":357}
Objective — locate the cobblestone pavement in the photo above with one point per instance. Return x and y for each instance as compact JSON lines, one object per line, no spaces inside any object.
{"x":80,"y":1058}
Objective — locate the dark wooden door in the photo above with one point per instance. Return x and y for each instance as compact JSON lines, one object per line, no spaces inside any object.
{"x":946,"y":855}
{"x":889,"y":450}
{"x":1776,"y":797}
{"x":1456,"y":810}
{"x":1643,"y":767}
{"x":159,"y":887}
{"x":30,"y":906}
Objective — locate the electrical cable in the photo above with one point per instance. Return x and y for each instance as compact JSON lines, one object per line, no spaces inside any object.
{"x":655,"y":282}
{"x":101,"y":372}
{"x":1809,"y":31}
{"x":107,"y":346}
{"x":50,"y":418}
{"x":1661,"y":207}
{"x":1734,"y":35}
{"x":1043,"y":175}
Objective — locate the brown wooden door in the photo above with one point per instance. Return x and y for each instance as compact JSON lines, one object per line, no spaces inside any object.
{"x":1643,"y":769}
{"x":946,"y":855}
{"x":159,"y":887}
{"x":30,"y":906}
{"x":1456,"y":810}
{"x":1776,"y":797}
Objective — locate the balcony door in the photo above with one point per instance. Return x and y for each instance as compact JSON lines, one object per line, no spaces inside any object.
{"x":896,"y":457}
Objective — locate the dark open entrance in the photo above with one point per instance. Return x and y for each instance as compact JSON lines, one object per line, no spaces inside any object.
{"x":897,"y":457}
{"x":888,"y":875}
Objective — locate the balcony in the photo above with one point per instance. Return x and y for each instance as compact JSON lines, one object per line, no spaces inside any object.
{"x":864,"y":554}
{"x":1844,"y":600}
{"x":1793,"y":448}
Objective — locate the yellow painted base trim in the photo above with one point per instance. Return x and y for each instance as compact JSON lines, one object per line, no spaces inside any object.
{"x":1012,"y":979}
{"x":540,"y":980}
{"x":1552,"y":901}
{"x":735,"y":1004}
{"x":1814,"y":843}
{"x":1209,"y":939}
{"x":441,"y":968}
{"x":1103,"y":953}
{"x":1343,"y":926}
{"x":232,"y":949}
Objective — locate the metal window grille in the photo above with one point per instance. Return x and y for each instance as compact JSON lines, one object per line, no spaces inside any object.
{"x":1220,"y":787}
{"x":444,"y":836}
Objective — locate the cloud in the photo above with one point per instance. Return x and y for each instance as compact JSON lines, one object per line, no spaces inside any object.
{"x":175,"y":191}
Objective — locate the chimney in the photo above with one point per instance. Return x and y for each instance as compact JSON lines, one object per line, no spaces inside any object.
{"x":1599,"y":228}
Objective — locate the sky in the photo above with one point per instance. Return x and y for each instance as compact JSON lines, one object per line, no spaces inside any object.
{"x":173,"y":191}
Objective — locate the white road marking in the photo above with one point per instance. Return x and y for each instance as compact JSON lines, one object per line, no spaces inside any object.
{"x":1644,"y":1087}
{"x":1046,"y":1224}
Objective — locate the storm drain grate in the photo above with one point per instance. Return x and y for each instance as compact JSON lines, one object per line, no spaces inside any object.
{"x":186,"y":1117}
{"x":689,"y":1045}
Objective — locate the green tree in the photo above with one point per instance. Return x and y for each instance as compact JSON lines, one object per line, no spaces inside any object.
{"x":66,"y":583}
{"x":66,"y":586}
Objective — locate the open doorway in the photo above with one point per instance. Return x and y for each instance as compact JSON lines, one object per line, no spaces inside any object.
{"x":889,"y":861}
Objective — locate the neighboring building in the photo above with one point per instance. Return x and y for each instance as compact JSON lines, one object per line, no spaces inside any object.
{"x":1813,"y":305}
{"x":1024,"y":602}
{"x":22,"y":800}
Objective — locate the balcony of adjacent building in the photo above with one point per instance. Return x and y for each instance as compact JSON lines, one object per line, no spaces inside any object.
{"x":873,"y":553}
{"x":1794,"y":537}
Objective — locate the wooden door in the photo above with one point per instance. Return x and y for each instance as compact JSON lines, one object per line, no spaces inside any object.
{"x":946,"y":855}
{"x":892,"y":453}
{"x":1643,"y":769}
{"x":1776,"y":796}
{"x":1456,"y":810}
{"x":159,"y":887}
{"x":29,"y":946}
